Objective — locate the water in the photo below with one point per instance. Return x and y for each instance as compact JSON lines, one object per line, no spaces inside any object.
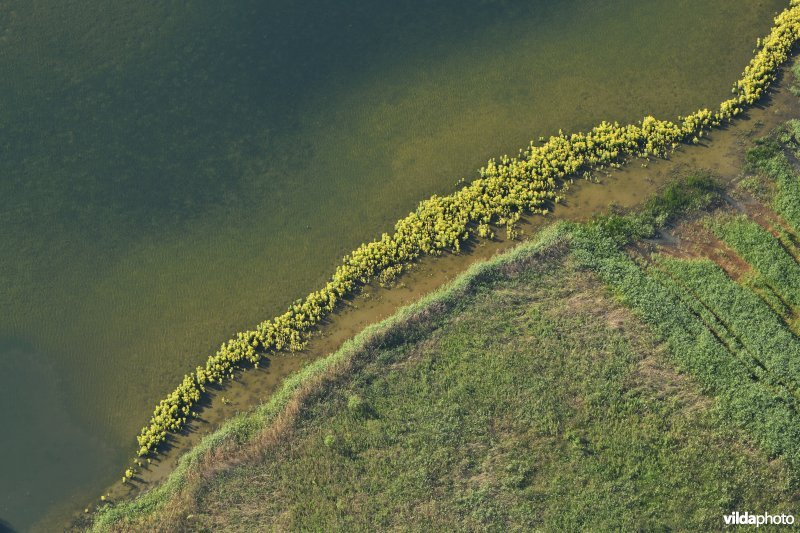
{"x":174,"y":171}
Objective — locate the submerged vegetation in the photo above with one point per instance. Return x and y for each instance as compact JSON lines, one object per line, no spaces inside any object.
{"x":507,"y":189}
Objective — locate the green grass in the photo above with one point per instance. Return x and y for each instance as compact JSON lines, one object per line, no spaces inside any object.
{"x":747,"y":402}
{"x":767,"y":254}
{"x":711,"y":321}
{"x":752,"y":326}
{"x":524,"y":406}
{"x":246,"y":426}
{"x":691,"y":193}
{"x":771,"y":158}
{"x":756,"y":283}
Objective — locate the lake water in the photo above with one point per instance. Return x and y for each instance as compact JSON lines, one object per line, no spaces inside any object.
{"x":174,"y":171}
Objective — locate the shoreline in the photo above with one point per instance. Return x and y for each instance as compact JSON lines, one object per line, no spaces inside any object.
{"x":506,"y":190}
{"x":721,"y":153}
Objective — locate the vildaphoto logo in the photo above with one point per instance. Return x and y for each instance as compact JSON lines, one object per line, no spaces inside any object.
{"x":747,"y":519}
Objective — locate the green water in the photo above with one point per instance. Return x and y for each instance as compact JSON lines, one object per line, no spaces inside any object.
{"x":174,"y":171}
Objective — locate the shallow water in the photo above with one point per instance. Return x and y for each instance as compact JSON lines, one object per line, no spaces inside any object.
{"x":173,"y":172}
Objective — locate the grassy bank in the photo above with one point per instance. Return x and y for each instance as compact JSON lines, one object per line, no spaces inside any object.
{"x":578,"y":381}
{"x":532,"y":403}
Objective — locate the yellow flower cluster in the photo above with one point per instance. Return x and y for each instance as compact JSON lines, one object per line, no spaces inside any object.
{"x":507,"y":188}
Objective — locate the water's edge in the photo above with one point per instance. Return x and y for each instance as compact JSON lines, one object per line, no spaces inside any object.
{"x":722,"y":154}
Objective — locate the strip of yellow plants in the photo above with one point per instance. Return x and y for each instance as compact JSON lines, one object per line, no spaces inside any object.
{"x":506,"y":189}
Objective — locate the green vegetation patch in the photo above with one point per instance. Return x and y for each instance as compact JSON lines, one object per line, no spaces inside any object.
{"x":692,"y":193}
{"x":767,"y":254}
{"x":702,"y":342}
{"x":771,"y":158}
{"x":752,"y":327}
{"x":563,"y":385}
{"x":531,"y":404}
{"x":747,"y":402}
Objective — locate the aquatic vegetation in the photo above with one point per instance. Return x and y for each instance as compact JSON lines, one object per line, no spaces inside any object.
{"x":507,"y":188}
{"x":129,"y":473}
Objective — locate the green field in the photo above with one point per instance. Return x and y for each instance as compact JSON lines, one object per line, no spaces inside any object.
{"x":581,"y":381}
